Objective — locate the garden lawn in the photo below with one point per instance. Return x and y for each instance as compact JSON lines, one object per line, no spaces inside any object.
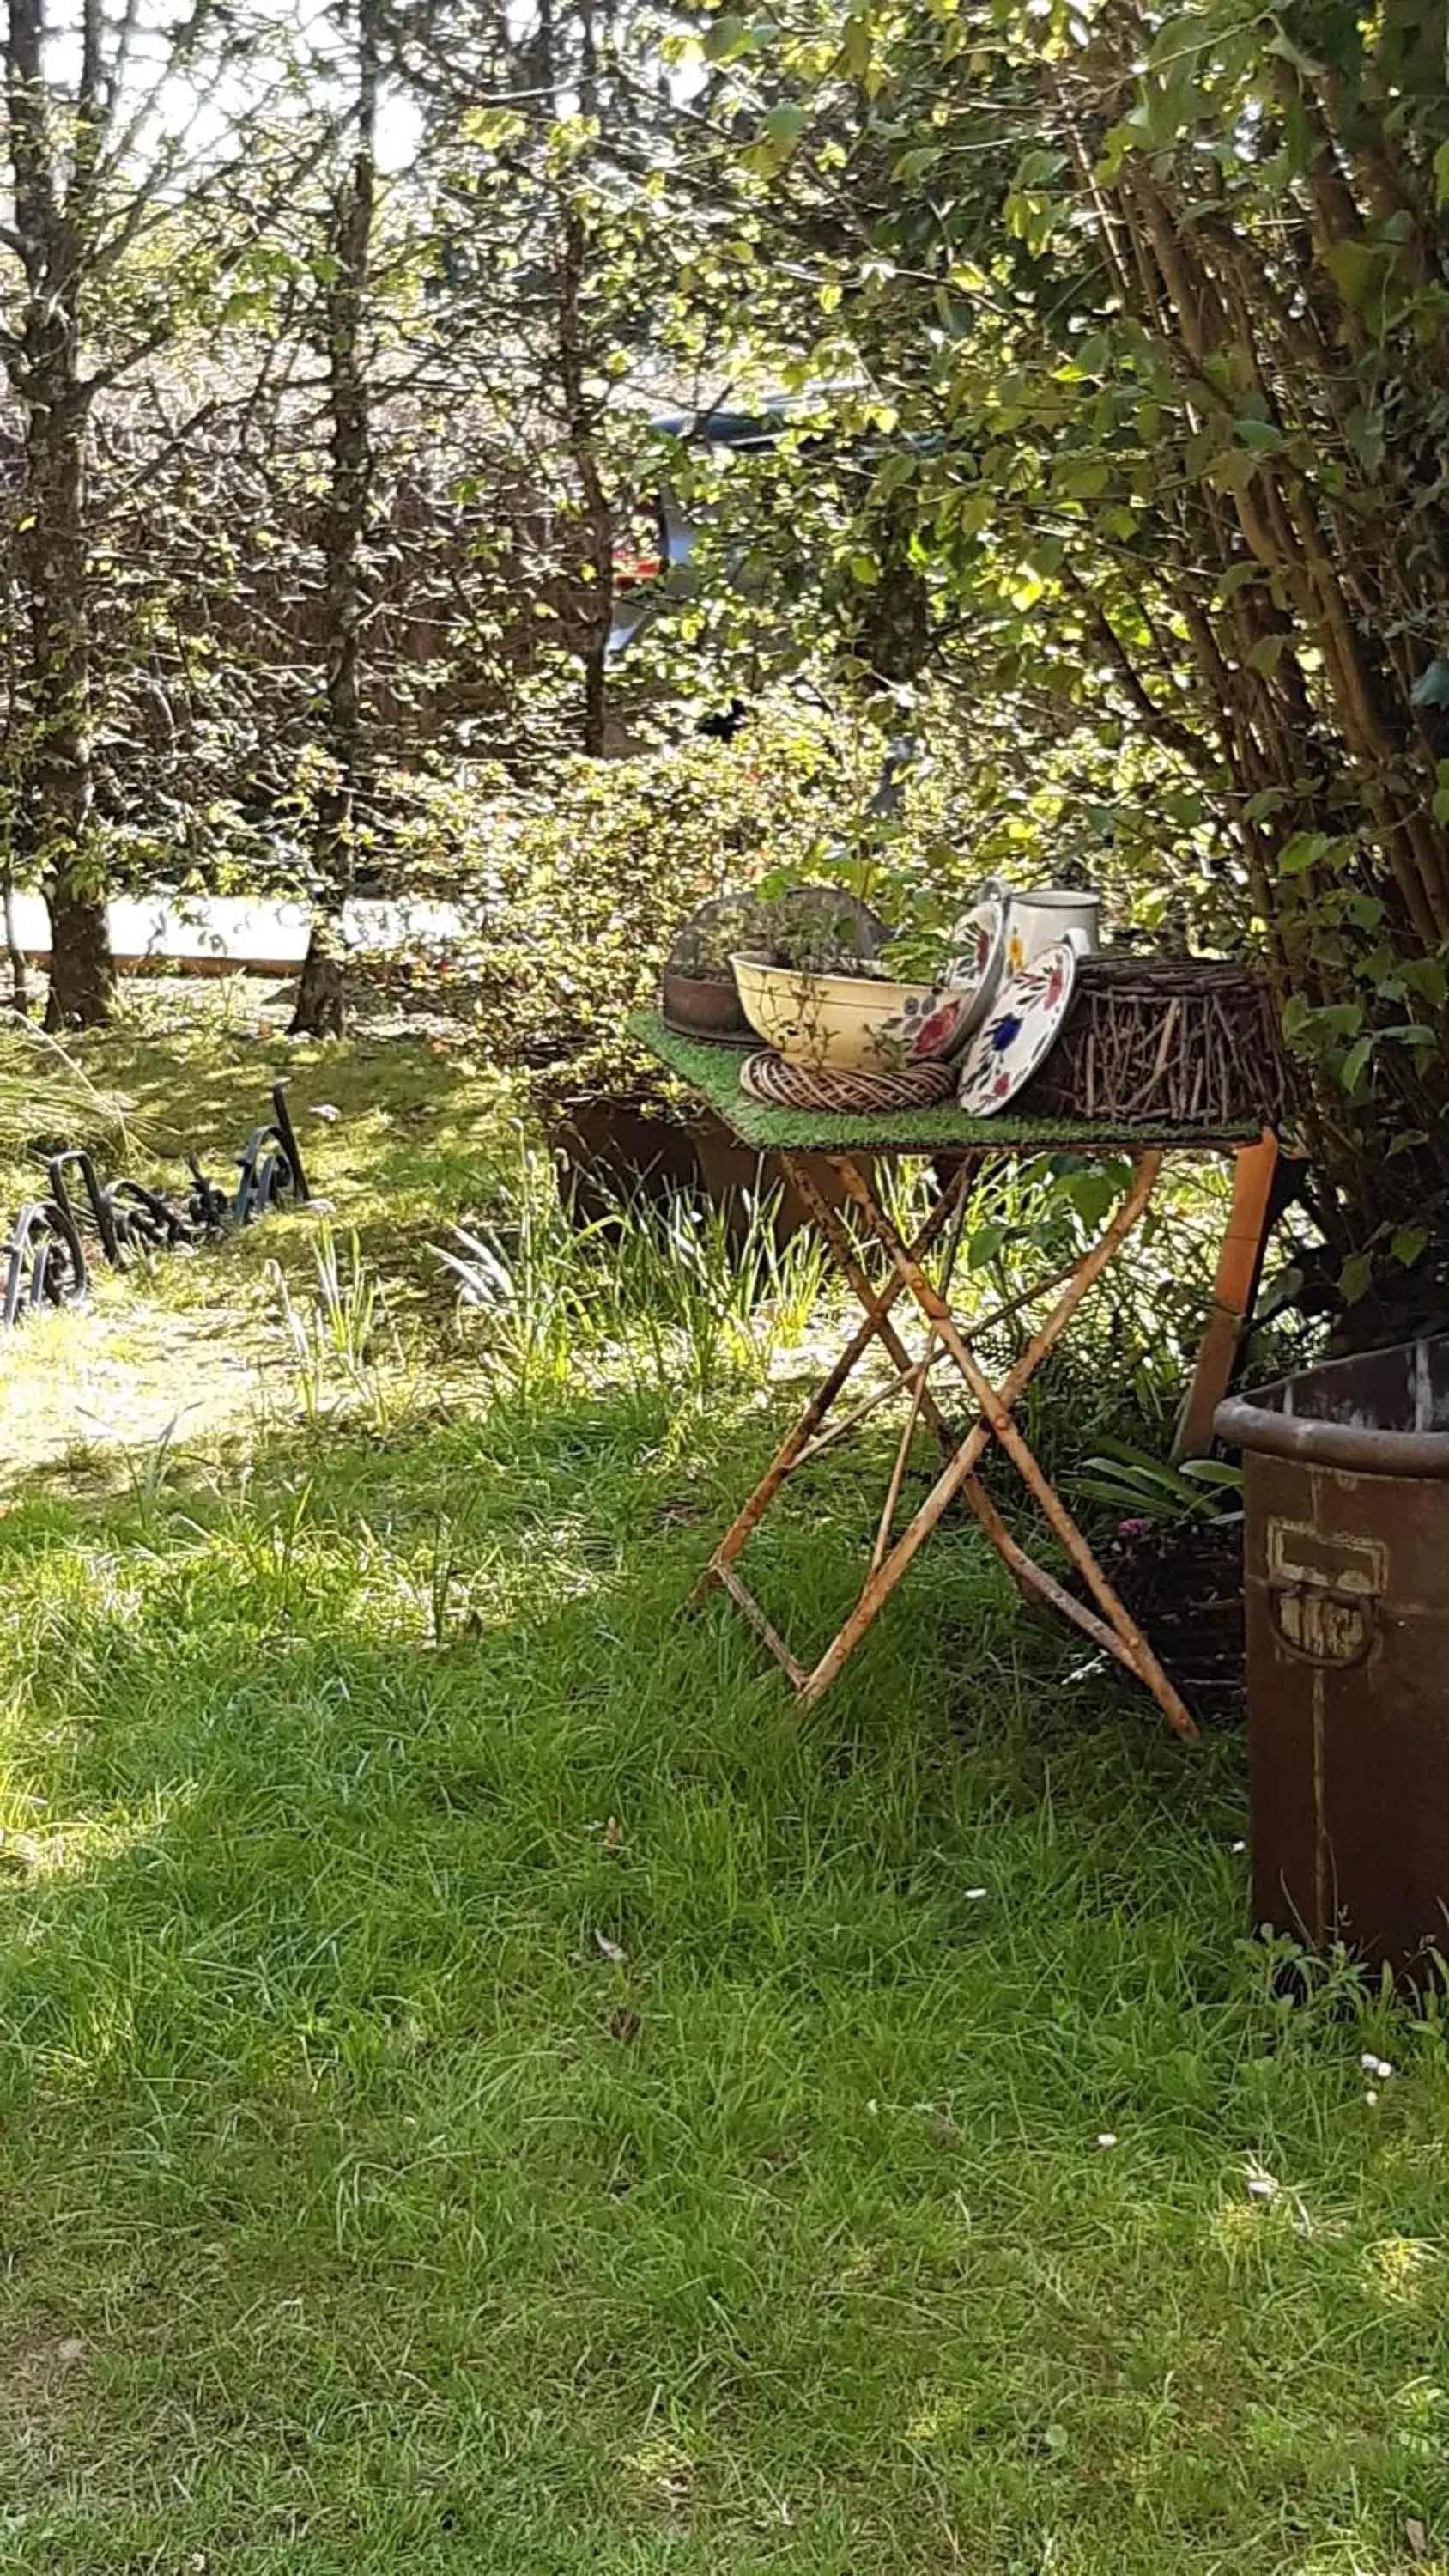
{"x":480,"y":2092}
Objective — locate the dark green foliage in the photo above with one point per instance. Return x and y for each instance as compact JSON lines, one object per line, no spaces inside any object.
{"x":1143,"y":320}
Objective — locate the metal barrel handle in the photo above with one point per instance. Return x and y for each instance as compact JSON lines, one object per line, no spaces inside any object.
{"x":1282,"y":1588}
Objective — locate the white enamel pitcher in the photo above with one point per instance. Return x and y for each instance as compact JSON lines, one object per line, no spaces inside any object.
{"x":1005,"y":931}
{"x":1042,"y":915}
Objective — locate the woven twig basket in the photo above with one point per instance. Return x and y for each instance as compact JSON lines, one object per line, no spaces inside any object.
{"x":1176,"y":1042}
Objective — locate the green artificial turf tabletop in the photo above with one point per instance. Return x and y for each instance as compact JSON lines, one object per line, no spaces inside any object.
{"x":714,"y":1071}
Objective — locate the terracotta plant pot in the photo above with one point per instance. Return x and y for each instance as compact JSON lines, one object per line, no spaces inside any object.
{"x":700,"y":1006}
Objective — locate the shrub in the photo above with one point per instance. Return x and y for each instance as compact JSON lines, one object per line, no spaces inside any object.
{"x":573,"y":889}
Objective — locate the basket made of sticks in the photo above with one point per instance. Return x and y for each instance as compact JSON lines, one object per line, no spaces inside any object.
{"x":1166,"y":1043}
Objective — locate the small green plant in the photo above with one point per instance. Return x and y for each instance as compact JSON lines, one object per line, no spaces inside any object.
{"x":339,"y":1340}
{"x":709,"y":1299}
{"x":697,"y":1294}
{"x":524,"y":1277}
{"x":729,"y":925}
{"x":150,"y":1474}
{"x":826,"y":943}
{"x":1141,"y":1487}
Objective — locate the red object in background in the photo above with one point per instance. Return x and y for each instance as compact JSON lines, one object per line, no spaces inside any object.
{"x":630,"y":567}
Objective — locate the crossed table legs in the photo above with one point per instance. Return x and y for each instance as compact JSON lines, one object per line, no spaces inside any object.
{"x":1110,"y":1625}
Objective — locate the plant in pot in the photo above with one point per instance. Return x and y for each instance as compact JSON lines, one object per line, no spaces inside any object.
{"x":825,"y":1000}
{"x":699,"y":996}
{"x":811,"y":925}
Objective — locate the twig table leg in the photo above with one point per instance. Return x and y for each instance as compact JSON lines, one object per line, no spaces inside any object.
{"x":1113,"y":1630}
{"x":996,"y":1422}
{"x":876,"y":1326}
{"x":848,"y":1264}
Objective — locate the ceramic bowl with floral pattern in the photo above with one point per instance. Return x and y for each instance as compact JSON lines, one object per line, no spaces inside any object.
{"x":855,"y":1023}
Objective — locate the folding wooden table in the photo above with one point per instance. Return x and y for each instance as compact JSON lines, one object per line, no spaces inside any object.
{"x":832,"y":1161}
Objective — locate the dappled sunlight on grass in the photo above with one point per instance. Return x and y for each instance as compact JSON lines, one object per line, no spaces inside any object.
{"x":481,"y":2090}
{"x":96,"y":1393}
{"x":39,"y":1847}
{"x":412,"y":1125}
{"x":1402,"y":2267}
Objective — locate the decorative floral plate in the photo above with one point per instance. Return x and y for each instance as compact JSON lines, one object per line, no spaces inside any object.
{"x":1019,"y":1033}
{"x":979,"y":945}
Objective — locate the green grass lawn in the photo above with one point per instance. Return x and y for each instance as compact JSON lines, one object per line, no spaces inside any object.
{"x":479,"y":2092}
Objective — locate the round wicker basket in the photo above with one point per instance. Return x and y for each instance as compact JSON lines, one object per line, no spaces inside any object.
{"x":767,"y":1076}
{"x":1165,"y":1042}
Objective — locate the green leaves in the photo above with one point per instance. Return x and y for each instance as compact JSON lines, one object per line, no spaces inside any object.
{"x":1306,"y":850}
{"x":494,"y":128}
{"x":1264,"y":657}
{"x":780,"y":132}
{"x":1431,"y":689}
{"x":1082,"y":478}
{"x":916,"y":164}
{"x":1130,"y":1480}
{"x":1234,"y":469}
{"x":1038,"y":169}
{"x":729,"y":36}
{"x":1365,"y":273}
{"x":1264,"y":437}
{"x":1029,"y":216}
{"x":1355,"y":1062}
{"x":1177,"y":40}
{"x":784,"y":125}
{"x":1364,"y":428}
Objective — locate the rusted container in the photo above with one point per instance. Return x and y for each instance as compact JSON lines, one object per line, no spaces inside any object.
{"x":1347,"y":1534}
{"x":1347,"y":1531}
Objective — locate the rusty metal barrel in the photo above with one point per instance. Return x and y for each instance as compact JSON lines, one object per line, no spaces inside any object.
{"x":1346,"y":1508}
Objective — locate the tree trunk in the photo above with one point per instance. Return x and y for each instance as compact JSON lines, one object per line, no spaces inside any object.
{"x":55,"y":780}
{"x":596,"y":700}
{"x":58,"y":789}
{"x":581,"y":411}
{"x":16,"y":842}
{"x":19,"y":980}
{"x":320,"y":1010}
{"x":598,"y":517}
{"x":321,"y":991}
{"x":82,"y":974}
